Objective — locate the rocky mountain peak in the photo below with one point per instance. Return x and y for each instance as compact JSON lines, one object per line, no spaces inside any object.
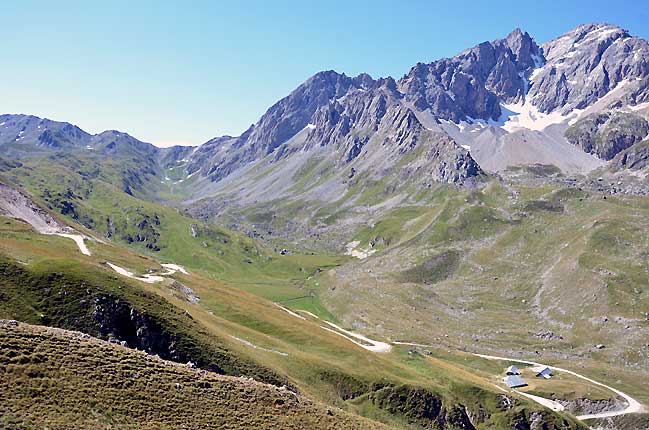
{"x":527,"y":53}
{"x":587,"y":63}
{"x":364,"y":81}
{"x":583,"y":38}
{"x":29,"y":129}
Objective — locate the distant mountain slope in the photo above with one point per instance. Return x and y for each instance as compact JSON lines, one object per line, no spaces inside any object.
{"x":586,"y":64}
{"x":24,"y":136}
{"x":122,"y":157}
{"x":499,"y":104}
{"x":341,"y":113}
{"x":474,"y":83}
{"x":591,"y":69}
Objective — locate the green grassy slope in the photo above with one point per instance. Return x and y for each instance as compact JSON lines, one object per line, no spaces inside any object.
{"x":454,"y":267}
{"x":66,"y":186}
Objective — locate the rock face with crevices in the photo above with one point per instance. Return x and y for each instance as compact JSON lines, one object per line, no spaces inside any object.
{"x":368,"y":119}
{"x":634,"y":158}
{"x":588,"y":62}
{"x":357,"y":118}
{"x":608,"y":133}
{"x":473,"y":83}
{"x":380,"y":121}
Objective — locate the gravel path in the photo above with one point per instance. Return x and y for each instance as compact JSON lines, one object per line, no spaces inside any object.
{"x":149,"y":278}
{"x":79,"y":240}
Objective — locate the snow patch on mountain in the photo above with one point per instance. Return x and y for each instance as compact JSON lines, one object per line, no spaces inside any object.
{"x":528,"y":116}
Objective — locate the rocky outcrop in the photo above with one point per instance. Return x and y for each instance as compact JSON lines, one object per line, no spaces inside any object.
{"x":587,"y":406}
{"x":635,"y":158}
{"x":17,"y":205}
{"x":119,"y":321}
{"x":606,"y":134}
{"x":424,"y":408}
{"x":420,"y":406}
{"x":622,"y":422}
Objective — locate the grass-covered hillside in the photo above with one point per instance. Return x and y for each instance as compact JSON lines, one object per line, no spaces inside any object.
{"x":503,"y":265}
{"x":59,"y":379}
{"x":545,"y":271}
{"x":531,"y":263}
{"x":224,"y":330}
{"x":84,"y":192}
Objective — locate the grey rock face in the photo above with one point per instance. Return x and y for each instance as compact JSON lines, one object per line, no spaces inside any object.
{"x":352,"y":112}
{"x":351,"y":122}
{"x":608,"y":133}
{"x":362,"y":115}
{"x":373,"y":122}
{"x":293,"y":113}
{"x":635,"y":158}
{"x":472,"y":83}
{"x":587,"y":63}
{"x":331,"y":109}
{"x":280,"y":122}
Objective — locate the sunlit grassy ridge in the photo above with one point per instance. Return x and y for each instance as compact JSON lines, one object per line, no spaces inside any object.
{"x":58,"y":380}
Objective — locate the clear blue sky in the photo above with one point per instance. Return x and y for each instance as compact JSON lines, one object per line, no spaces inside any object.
{"x":166,"y":72}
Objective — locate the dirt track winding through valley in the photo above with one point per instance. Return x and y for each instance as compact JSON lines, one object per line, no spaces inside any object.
{"x":633,"y":406}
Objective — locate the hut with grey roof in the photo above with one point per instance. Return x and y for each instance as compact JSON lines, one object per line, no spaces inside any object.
{"x":512,"y":370}
{"x":546,"y":373}
{"x":514,"y":381}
